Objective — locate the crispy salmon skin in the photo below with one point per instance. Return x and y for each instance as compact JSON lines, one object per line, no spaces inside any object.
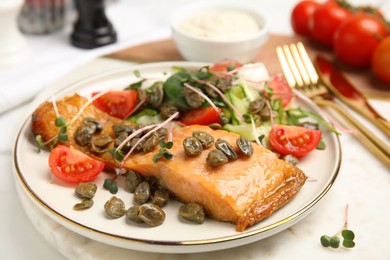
{"x":242,"y":192}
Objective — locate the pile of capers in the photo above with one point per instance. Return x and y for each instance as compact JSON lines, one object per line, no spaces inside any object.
{"x":224,"y":151}
{"x":85,"y":135}
{"x":149,"y":197}
{"x":86,"y":191}
{"x":122,"y":131}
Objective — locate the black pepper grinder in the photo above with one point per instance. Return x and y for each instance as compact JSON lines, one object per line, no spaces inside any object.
{"x":92,"y":28}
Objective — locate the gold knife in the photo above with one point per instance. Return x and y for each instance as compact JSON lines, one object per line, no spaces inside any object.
{"x":349,"y":94}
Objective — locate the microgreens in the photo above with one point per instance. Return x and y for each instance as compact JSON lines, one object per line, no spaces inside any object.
{"x":224,"y":98}
{"x":295,"y":114}
{"x":111,"y":185}
{"x":61,"y":137}
{"x":163,"y":152}
{"x":347,"y":235}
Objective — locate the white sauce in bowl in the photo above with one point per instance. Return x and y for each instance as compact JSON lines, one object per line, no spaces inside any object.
{"x":220,"y":25}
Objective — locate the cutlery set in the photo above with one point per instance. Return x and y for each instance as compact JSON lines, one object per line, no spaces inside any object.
{"x":326,"y":87}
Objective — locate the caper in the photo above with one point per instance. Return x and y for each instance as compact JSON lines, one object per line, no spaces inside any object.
{"x":133,"y":214}
{"x":211,"y":92}
{"x":226,"y":148}
{"x":115,"y":207}
{"x":245,"y":146}
{"x":86,"y":190}
{"x":216,"y":158}
{"x":162,"y":133}
{"x":265,"y":113}
{"x":192,"y":146}
{"x":133,"y":179}
{"x":168,"y":110}
{"x":155,"y":95}
{"x":193,"y":99}
{"x":221,"y":82}
{"x":100,"y":143}
{"x":215,"y":126}
{"x":154,"y":183}
{"x":142,"y":193}
{"x":204,"y":138}
{"x":192,"y":212}
{"x":256,"y":106}
{"x":84,"y":204}
{"x":120,"y":128}
{"x":151,"y":214}
{"x":139,"y":146}
{"x":151,"y":142}
{"x":120,"y":139}
{"x":84,"y":134}
{"x":99,"y":126}
{"x":291,"y":159}
{"x":160,"y":197}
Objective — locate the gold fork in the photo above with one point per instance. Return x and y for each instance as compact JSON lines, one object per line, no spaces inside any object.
{"x":300,"y":73}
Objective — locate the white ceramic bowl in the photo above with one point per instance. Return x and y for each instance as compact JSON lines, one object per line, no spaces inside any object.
{"x":206,"y":49}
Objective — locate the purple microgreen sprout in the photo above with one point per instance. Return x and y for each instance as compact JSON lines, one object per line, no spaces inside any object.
{"x":224,"y":98}
{"x":347,"y":235}
{"x":155,"y":128}
{"x":202,"y":95}
{"x":139,"y":104}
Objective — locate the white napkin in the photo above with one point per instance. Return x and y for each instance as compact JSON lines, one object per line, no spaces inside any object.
{"x":53,"y":56}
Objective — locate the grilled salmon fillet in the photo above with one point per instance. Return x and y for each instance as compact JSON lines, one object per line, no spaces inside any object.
{"x":243,"y":191}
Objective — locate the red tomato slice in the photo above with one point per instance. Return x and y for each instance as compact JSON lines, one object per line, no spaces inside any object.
{"x":71,"y":165}
{"x":280,"y":89}
{"x":201,"y":116}
{"x":225,"y":66}
{"x":294,"y":140}
{"x":118,"y":103}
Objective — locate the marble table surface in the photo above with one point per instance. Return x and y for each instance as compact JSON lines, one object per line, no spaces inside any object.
{"x":363,"y":183}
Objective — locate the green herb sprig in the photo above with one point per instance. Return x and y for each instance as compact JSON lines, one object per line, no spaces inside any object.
{"x":347,"y":235}
{"x":61,"y":137}
{"x":163,"y":152}
{"x":111,"y":185}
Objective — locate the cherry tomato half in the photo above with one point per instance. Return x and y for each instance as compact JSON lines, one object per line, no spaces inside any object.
{"x":118,"y":103}
{"x":325,"y":20}
{"x":225,"y":66}
{"x":71,"y":165}
{"x":380,"y":63}
{"x":300,"y":16}
{"x":294,"y":140}
{"x":280,"y":89}
{"x":201,"y":116}
{"x":357,"y":38}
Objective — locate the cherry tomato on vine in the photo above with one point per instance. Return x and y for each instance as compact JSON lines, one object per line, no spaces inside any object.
{"x":325,"y":20}
{"x":357,"y":38}
{"x":300,"y":16}
{"x":118,"y":103}
{"x":294,"y":140}
{"x":71,"y":165}
{"x":380,"y":62}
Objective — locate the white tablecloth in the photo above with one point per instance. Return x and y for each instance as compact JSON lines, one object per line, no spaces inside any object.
{"x":363,"y":181}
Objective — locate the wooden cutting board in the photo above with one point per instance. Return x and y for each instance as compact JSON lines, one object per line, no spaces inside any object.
{"x":165,"y":50}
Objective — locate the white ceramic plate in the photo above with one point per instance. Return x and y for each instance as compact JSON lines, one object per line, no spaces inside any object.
{"x":56,"y":198}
